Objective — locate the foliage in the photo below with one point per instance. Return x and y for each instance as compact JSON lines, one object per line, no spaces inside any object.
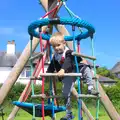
{"x":105,"y":72}
{"x":113,"y":93}
{"x":15,"y":92}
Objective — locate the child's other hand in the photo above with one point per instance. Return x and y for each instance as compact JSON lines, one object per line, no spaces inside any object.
{"x":61,"y":72}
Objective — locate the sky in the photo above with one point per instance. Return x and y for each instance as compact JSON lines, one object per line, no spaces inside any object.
{"x":104,"y":15}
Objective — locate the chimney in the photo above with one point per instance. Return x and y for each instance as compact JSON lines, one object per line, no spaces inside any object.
{"x":11,"y":47}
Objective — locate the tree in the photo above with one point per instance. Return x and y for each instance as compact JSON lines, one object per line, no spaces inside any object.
{"x":105,"y":72}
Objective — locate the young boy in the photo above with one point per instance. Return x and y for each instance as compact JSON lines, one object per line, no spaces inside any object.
{"x":63,"y":62}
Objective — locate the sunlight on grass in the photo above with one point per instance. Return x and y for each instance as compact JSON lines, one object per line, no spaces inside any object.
{"x":22,"y":115}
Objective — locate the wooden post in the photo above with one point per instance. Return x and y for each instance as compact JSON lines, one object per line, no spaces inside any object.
{"x":11,"y":79}
{"x":113,"y":114}
{"x":84,"y":108}
{"x":104,"y":98}
{"x":60,"y":28}
{"x":17,"y":69}
{"x":26,"y":92}
{"x":27,"y":89}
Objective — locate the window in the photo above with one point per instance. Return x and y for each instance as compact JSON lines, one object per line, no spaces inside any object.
{"x":28,"y":73}
{"x":25,"y":73}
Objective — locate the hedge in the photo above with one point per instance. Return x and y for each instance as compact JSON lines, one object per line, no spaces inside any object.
{"x":112,"y":91}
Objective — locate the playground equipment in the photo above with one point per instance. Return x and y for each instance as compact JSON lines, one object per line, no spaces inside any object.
{"x":72,"y":21}
{"x":24,"y":58}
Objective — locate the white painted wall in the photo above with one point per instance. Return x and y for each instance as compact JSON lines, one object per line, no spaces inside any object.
{"x":5,"y":71}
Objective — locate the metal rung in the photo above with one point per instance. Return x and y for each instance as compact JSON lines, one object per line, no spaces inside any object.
{"x":86,"y":96}
{"x":44,"y":96}
{"x":66,"y":74}
{"x":49,"y":74}
{"x":39,"y":55}
{"x":54,"y":74}
{"x":61,"y":96}
{"x":84,"y":56}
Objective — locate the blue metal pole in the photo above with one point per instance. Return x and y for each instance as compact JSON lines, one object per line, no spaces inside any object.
{"x":78,"y":79}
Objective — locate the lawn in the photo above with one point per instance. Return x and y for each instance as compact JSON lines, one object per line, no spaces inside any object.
{"x":22,"y":115}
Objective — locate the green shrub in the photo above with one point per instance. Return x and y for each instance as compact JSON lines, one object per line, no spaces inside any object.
{"x":113,"y":93}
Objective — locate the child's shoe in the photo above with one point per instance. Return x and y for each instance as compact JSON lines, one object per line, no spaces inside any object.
{"x":93,"y":92}
{"x":68,"y":117}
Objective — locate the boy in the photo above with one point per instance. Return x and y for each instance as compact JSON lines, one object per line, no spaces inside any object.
{"x":63,"y":62}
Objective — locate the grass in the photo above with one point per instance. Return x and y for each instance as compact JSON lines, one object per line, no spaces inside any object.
{"x":22,"y":115}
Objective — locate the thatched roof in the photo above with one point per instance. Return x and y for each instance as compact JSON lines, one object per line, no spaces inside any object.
{"x":116,"y":68}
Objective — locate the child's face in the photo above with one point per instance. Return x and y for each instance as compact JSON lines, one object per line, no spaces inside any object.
{"x":59,"y":47}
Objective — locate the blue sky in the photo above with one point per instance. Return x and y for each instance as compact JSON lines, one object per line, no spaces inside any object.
{"x":15,"y":17}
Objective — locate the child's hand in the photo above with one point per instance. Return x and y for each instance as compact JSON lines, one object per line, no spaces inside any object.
{"x":61,"y":72}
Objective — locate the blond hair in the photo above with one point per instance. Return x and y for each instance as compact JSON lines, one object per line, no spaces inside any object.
{"x":56,"y":38}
